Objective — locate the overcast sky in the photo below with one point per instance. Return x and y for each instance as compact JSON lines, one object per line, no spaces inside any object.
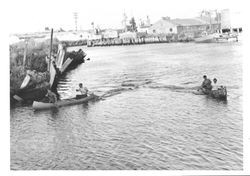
{"x":33,"y":15}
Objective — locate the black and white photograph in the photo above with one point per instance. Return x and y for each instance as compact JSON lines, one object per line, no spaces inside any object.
{"x":126,"y":85}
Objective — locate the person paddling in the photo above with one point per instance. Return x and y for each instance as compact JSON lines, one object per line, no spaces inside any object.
{"x":51,"y":96}
{"x":206,"y":84}
{"x":83,"y":91}
{"x":215,"y":85}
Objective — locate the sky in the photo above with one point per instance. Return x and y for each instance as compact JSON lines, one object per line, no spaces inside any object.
{"x":31,"y":16}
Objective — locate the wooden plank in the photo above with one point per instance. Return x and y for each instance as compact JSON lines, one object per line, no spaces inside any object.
{"x":25,"y":82}
{"x":66,"y":64}
{"x":60,"y":58}
{"x":16,"y":97}
{"x":52,"y":74}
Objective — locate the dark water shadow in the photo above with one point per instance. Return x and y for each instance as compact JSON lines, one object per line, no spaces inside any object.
{"x":218,"y":101}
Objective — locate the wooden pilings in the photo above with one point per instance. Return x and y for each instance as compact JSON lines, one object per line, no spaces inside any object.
{"x":130,"y":41}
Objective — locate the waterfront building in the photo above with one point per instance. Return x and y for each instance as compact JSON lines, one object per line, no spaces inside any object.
{"x":110,"y":33}
{"x":225,"y":19}
{"x":128,"y":35}
{"x":144,"y":26}
{"x":163,"y":26}
{"x":95,"y":37}
{"x":84,"y":35}
{"x":231,"y":21}
{"x":67,"y":36}
{"x":188,"y":27}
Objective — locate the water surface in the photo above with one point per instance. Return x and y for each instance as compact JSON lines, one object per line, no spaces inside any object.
{"x":150,"y":119}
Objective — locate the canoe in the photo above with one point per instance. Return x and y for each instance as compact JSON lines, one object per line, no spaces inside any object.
{"x":220,"y":94}
{"x":42,"y":106}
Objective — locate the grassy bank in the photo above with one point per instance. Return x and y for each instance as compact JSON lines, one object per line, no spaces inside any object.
{"x":36,"y":53}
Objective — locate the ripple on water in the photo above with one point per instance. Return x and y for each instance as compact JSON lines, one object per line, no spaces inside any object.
{"x":149,"y":118}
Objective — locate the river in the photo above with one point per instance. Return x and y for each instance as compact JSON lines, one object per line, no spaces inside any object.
{"x":149,"y":118}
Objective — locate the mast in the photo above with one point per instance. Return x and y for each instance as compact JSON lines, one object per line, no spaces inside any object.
{"x":124,"y":21}
{"x":50,"y":51}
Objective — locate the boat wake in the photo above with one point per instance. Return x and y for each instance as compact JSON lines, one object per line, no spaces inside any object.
{"x":133,"y":86}
{"x":109,"y":90}
{"x":113,"y":92}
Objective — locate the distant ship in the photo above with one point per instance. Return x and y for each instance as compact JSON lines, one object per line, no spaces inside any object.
{"x":224,"y":32}
{"x":217,"y":38}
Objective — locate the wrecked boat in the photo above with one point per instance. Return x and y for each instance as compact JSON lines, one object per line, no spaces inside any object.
{"x":66,"y":61}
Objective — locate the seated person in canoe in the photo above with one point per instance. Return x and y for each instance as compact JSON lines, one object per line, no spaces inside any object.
{"x":206,"y":85}
{"x":218,"y":91}
{"x":51,"y":96}
{"x":216,"y":86}
{"x":83,"y":91}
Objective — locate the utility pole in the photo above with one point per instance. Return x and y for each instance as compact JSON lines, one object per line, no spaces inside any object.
{"x":76,"y":18}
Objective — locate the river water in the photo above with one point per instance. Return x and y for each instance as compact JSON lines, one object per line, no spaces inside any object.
{"x":149,"y":118}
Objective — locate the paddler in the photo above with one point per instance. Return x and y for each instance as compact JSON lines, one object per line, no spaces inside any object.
{"x":83,"y":91}
{"x":215,"y":85}
{"x":206,"y":84}
{"x":52,"y":96}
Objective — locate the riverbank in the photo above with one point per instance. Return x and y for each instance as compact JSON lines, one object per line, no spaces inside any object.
{"x":28,"y":62}
{"x":30,"y":73}
{"x":30,"y":55}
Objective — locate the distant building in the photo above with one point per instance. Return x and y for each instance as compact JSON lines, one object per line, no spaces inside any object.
{"x":225,"y":19}
{"x":84,"y":35}
{"x":163,"y":26}
{"x":231,"y":21}
{"x":95,"y":37}
{"x":128,"y":35}
{"x":144,"y":25}
{"x":143,"y":28}
{"x":190,"y":27}
{"x":67,"y":36}
{"x":110,"y":33}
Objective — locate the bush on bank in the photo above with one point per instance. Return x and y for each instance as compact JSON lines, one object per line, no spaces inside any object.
{"x":35,"y":59}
